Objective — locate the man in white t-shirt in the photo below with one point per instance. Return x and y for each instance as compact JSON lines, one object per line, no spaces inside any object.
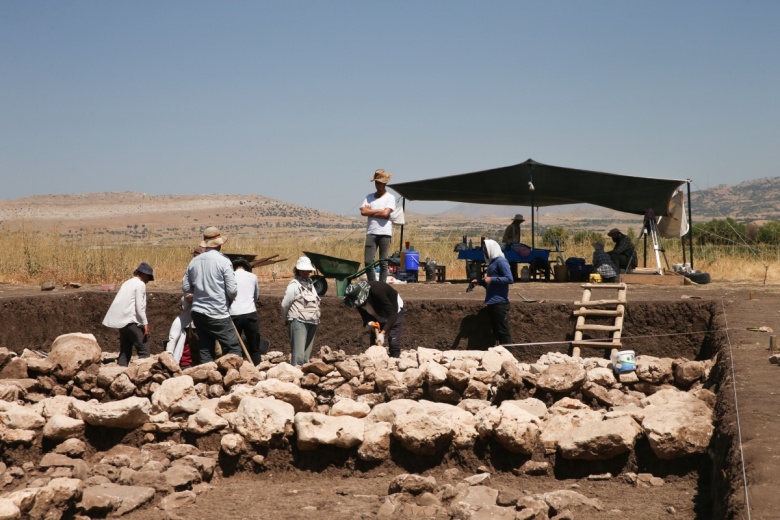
{"x":379,"y":229}
{"x":243,"y":311}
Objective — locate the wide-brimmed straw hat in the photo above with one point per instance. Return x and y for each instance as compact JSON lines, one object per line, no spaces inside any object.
{"x":212,"y":237}
{"x":518,"y":217}
{"x":356,"y":294}
{"x":381,"y":176}
{"x":304,"y":264}
{"x":146,"y":269}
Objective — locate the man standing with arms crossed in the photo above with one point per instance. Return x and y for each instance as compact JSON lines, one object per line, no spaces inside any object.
{"x":211,"y":280}
{"x":379,"y":229}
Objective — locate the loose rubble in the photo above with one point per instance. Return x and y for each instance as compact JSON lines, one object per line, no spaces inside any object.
{"x":428,"y":403}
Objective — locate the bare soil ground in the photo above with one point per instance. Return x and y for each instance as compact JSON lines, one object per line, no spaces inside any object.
{"x":445,"y":316}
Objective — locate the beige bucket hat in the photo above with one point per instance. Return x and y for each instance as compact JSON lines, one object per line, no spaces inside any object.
{"x":212,"y":237}
{"x":381,"y":176}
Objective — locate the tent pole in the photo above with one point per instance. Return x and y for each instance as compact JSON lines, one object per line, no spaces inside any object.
{"x":401,"y":243}
{"x":690,"y":224}
{"x":532,"y":189}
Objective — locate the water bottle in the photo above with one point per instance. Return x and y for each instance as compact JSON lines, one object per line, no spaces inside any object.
{"x":471,"y":246}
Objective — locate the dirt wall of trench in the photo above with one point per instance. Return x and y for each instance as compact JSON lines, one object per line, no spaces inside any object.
{"x":652,"y":328}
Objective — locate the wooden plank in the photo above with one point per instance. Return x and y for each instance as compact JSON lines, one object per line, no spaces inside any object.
{"x":603,"y":286}
{"x":597,"y":312}
{"x":652,"y":279}
{"x":594,"y":303}
{"x":607,"y":328}
{"x":599,"y":344}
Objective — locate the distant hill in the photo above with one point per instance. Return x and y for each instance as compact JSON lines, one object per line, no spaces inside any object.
{"x":166,"y":217}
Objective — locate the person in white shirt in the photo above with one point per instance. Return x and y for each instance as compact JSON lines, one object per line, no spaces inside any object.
{"x":177,"y":336}
{"x":128,"y":314}
{"x":301,"y":311}
{"x":243,"y":311}
{"x":379,"y":229}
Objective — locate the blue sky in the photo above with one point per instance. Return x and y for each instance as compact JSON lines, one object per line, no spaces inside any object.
{"x":303,"y":100}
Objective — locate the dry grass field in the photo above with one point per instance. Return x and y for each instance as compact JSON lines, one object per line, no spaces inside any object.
{"x":100,"y":238}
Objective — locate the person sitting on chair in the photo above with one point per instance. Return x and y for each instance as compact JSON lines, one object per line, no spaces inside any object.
{"x":602,"y":263}
{"x":623,"y":255}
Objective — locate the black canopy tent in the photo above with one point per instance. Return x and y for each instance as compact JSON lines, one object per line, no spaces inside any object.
{"x":537,"y":185}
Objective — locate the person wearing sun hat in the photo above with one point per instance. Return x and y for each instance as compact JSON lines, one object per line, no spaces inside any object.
{"x":128,"y":314}
{"x":511,"y":236}
{"x":377,"y":207}
{"x":301,"y":311}
{"x":380,"y":306}
{"x":212,"y":282}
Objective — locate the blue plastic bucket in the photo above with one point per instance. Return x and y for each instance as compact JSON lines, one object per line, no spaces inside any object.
{"x":412,"y":261}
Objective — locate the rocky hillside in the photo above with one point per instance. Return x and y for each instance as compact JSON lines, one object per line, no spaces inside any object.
{"x":757,"y":199}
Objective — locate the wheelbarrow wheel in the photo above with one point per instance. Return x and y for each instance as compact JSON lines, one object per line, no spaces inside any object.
{"x":320,"y":284}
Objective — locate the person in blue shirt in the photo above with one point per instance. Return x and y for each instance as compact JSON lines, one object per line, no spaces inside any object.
{"x":496,"y":283}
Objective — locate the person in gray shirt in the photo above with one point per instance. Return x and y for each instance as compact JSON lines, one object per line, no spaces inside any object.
{"x":212,"y":282}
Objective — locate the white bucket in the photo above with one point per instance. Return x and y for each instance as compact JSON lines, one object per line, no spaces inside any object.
{"x":623,"y":361}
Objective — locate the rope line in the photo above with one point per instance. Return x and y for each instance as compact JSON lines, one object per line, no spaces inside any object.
{"x":592,"y":340}
{"x":736,"y":411}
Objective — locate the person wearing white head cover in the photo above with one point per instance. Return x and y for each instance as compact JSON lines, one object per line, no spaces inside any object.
{"x":301,"y":311}
{"x":496,"y":282}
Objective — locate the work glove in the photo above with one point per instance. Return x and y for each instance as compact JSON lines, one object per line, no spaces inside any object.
{"x":380,"y":339}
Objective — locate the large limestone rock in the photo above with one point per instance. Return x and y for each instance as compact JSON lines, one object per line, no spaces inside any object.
{"x":112,"y":498}
{"x":561,"y":378}
{"x":350,"y":407}
{"x":73,"y":352}
{"x":688,"y":372}
{"x":433,"y":372}
{"x":654,"y":370}
{"x":517,"y":430}
{"x":62,"y":427}
{"x":128,"y":413}
{"x":461,"y":421}
{"x":58,"y":495}
{"x":20,"y":417}
{"x":177,"y":395}
{"x":558,"y":426}
{"x":677,"y":424}
{"x":14,"y":369}
{"x":495,"y":357}
{"x":315,"y":429}
{"x":286,"y":372}
{"x":205,"y":421}
{"x":9,"y":510}
{"x":260,"y":420}
{"x":422,"y":434}
{"x":601,"y":440}
{"x":376,"y":442}
{"x":301,"y":400}
{"x":387,"y":412}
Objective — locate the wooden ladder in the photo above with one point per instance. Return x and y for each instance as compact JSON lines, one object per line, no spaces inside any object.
{"x":606,"y":307}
